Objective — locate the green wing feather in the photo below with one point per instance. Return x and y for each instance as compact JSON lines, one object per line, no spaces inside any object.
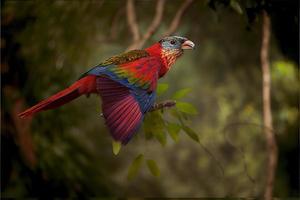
{"x":120,"y":59}
{"x":125,"y":57}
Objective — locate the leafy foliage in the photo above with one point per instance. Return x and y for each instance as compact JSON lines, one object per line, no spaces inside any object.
{"x":173,"y":130}
{"x":152,"y":166}
{"x":135,"y":166}
{"x":155,"y":126}
{"x":190,"y":133}
{"x":181,"y":93}
{"x":186,"y":108}
{"x":161,"y":88}
{"x":116,"y":147}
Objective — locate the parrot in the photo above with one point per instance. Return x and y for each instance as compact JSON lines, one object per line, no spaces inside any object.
{"x":126,"y":84}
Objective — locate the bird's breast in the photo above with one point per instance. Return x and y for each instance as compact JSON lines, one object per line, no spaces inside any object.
{"x":169,"y":57}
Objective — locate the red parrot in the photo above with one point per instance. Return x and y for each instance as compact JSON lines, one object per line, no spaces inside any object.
{"x":126,"y":84}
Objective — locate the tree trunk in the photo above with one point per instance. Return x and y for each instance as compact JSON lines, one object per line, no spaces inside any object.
{"x":267,"y":114}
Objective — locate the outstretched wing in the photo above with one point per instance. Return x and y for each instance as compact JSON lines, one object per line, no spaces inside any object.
{"x":123,"y":108}
{"x":126,"y":84}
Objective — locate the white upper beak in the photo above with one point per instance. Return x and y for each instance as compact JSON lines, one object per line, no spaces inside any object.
{"x":188,"y":44}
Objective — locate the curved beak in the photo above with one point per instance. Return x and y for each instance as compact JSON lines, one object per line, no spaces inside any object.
{"x":188,"y":44}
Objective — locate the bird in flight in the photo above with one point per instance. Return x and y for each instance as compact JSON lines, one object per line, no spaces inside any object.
{"x":126,"y":84}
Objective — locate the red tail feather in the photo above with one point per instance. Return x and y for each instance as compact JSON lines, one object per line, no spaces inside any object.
{"x":85,"y":85}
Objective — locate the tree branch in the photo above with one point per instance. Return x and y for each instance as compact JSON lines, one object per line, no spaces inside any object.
{"x":162,"y":105}
{"x":153,"y":26}
{"x":267,"y":113}
{"x":131,"y":19}
{"x":177,"y":18}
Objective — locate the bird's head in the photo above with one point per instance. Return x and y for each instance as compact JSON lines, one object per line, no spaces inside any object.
{"x":170,"y":48}
{"x":176,"y":43}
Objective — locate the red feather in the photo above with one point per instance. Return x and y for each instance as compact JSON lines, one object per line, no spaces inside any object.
{"x":85,"y":85}
{"x":121,"y":111}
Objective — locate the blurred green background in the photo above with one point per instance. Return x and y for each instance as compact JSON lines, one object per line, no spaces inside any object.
{"x":46,"y":45}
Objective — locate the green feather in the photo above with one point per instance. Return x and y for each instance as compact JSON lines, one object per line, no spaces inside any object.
{"x":126,"y":57}
{"x":120,"y":59}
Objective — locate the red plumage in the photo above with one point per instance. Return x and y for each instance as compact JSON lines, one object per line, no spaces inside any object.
{"x":86,"y":85}
{"x":120,"y":109}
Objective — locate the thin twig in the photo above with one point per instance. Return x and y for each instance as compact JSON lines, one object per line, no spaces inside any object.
{"x":131,"y":19}
{"x":177,"y":18}
{"x":205,"y":149}
{"x":153,"y":26}
{"x":162,"y":105}
{"x":220,"y":166}
{"x":138,"y":41}
{"x":264,"y":127}
{"x":243,"y":156}
{"x":267,"y":113}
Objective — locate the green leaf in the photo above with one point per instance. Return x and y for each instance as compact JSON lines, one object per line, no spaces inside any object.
{"x":147,"y":126}
{"x":155,"y":126}
{"x":190,"y":132}
{"x":116,"y":146}
{"x":152,"y":166}
{"x":181,"y":93}
{"x":186,"y":108}
{"x":161,"y":88}
{"x":161,"y":137}
{"x":135,"y":166}
{"x":148,"y":134}
{"x":236,"y":6}
{"x":173,"y":130}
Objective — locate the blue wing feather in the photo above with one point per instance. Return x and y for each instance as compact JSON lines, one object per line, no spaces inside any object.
{"x":124,"y":103}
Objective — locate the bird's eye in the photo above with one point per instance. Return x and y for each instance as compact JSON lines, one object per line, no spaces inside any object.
{"x":172,"y":41}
